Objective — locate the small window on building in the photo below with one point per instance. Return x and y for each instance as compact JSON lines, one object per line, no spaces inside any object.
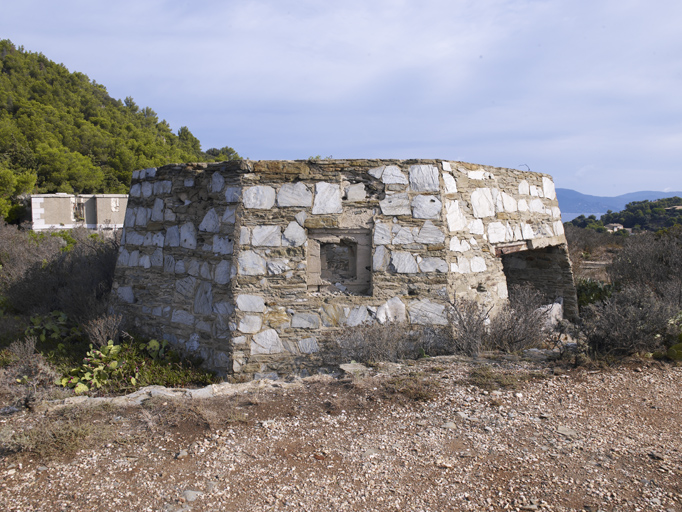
{"x":340,"y":261}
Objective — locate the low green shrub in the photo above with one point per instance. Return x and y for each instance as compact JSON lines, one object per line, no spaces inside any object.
{"x":131,"y":365}
{"x":592,"y":290}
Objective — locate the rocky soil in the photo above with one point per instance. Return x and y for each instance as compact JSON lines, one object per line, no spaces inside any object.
{"x":438,"y":434}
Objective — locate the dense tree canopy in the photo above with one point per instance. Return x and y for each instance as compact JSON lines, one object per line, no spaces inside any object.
{"x":62,"y":132}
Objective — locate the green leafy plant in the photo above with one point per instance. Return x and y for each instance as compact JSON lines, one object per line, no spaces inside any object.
{"x":99,"y":366}
{"x":53,"y":326}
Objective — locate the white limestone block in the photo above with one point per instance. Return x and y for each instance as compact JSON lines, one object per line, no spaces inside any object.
{"x":393,"y":310}
{"x":404,"y":263}
{"x":455,"y":217}
{"x":393,"y":175}
{"x":459,"y":246}
{"x":157,"y":210}
{"x":534,"y":191}
{"x":222,"y":245}
{"x":244,"y":236}
{"x":260,"y":197}
{"x":230,"y":215}
{"x":382,"y":233}
{"x":250,"y":324}
{"x":537,"y":206}
{"x":358,"y":316}
{"x":432,"y":265}
{"x":478,"y":264}
{"x":463,"y":265}
{"x":294,"y":235}
{"x":482,"y":203}
{"x":449,"y":183}
{"x":300,"y":218}
{"x":142,"y":215}
{"x":185,"y":287}
{"x":222,"y":272}
{"x":149,"y":172}
{"x":180,"y":267}
{"x":125,"y":293}
{"x":169,"y":264}
{"x":523,"y":205}
{"x":430,"y":234}
{"x":524,"y":188}
{"x":380,"y":259}
{"x":402,"y":236}
{"x":134,"y":259}
{"x":147,"y":189}
{"x":123,"y":257}
{"x":250,"y":303}
{"x":377,"y":172}
{"x":556,"y":212}
{"x":211,"y":222}
{"x":277,"y":266}
{"x":157,"y":239}
{"x":425,"y":312}
{"x":502,"y":291}
{"x":308,"y":345}
{"x":548,"y":188}
{"x":558,"y":227}
{"x":509,"y":203}
{"x":217,"y":182}
{"x":136,"y":190}
{"x":189,"y":182}
{"x":327,"y":198}
{"x":266,"y":342}
{"x":305,"y":321}
{"x":426,"y":207}
{"x":251,"y":263}
{"x":497,"y":199}
{"x":527,"y":231}
{"x":496,"y":232}
{"x":517,"y":233}
{"x":129,"y":220}
{"x":476,"y":227}
{"x":233,"y":194}
{"x":476,"y":175}
{"x":145,"y":261}
{"x":356,"y":192}
{"x":203,"y":300}
{"x":169,"y":215}
{"x":446,"y":166}
{"x":395,"y":204}
{"x":266,"y":236}
{"x":182,"y":317}
{"x":188,"y":236}
{"x":424,"y":178}
{"x":294,"y":194}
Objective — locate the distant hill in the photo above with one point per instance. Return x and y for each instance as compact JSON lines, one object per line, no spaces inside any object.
{"x":62,"y":132}
{"x":573,"y":203}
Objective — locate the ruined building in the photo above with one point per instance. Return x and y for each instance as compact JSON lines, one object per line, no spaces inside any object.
{"x":255,"y":265}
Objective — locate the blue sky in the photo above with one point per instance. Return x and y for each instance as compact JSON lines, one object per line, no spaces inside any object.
{"x":588,"y":91}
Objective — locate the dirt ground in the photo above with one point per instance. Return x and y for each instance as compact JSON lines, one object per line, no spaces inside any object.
{"x":434,"y":435}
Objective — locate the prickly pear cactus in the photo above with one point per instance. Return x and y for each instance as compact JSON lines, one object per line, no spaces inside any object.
{"x":675,"y":352}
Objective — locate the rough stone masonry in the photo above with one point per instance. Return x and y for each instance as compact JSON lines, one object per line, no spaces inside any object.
{"x":255,"y":265}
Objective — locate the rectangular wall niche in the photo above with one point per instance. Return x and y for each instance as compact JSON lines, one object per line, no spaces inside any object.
{"x":340,"y":260}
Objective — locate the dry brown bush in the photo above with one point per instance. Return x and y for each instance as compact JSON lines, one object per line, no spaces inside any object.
{"x":521,"y":323}
{"x":103,"y":328}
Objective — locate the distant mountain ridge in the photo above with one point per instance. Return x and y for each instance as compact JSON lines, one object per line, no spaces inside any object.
{"x":574,"y":203}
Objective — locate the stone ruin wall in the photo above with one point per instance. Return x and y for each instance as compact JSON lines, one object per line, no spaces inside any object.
{"x":255,"y":265}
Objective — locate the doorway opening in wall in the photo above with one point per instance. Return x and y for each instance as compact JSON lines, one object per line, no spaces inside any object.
{"x":543,"y":268}
{"x":340,"y":261}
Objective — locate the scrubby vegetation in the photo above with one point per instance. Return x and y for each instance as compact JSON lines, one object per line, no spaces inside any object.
{"x":62,"y":132}
{"x":56,"y":331}
{"x":638,"y":216}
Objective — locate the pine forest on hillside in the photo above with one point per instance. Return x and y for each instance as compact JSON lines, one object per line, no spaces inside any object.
{"x":62,"y":132}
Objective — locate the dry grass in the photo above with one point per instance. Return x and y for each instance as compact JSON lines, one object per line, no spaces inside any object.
{"x":484,"y":377}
